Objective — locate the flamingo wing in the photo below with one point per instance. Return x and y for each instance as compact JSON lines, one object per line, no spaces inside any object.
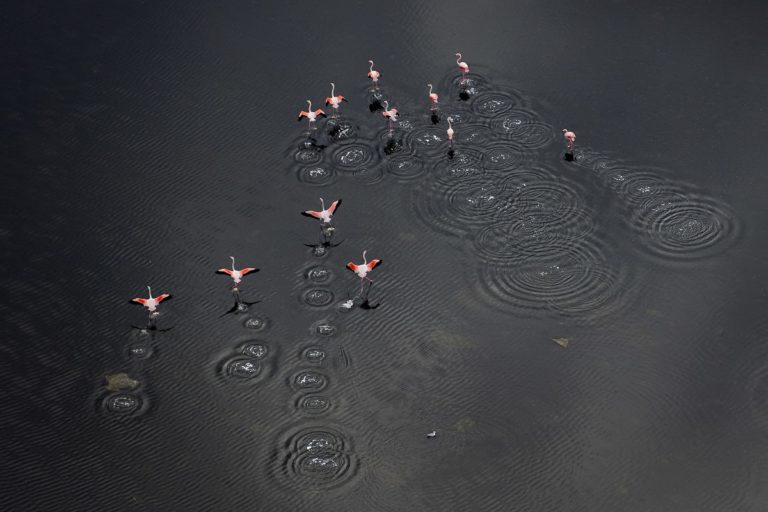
{"x":224,"y":271}
{"x":334,"y":205}
{"x":248,"y":270}
{"x":319,"y":112}
{"x":312,"y":213}
{"x":139,"y":300}
{"x":373,"y":263}
{"x":351,"y":266}
{"x":328,"y":101}
{"x":303,"y":114}
{"x":342,"y":98}
{"x":160,"y":298}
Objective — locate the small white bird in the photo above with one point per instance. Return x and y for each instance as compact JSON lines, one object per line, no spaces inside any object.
{"x":432,"y":434}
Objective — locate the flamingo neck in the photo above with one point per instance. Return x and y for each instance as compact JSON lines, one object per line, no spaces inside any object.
{"x":458,"y":58}
{"x":430,"y":89}
{"x":365,"y":260}
{"x":150,"y":292}
{"x":322,"y":204}
{"x":371,"y":68}
{"x":310,"y":105}
{"x":333,"y":88}
{"x":233,"y":262}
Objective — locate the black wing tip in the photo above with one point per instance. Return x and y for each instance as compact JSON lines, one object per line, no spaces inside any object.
{"x":307,"y":215}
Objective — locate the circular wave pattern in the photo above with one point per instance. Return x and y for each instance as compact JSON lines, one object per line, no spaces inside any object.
{"x":325,"y":328}
{"x":254,"y":350}
{"x":352,"y":156}
{"x":685,"y":227}
{"x":310,"y":380}
{"x":473,"y":133}
{"x":462,"y":206}
{"x":319,"y":274}
{"x":405,"y":167}
{"x":490,"y":104}
{"x":318,"y":297}
{"x":429,"y":141}
{"x":242,"y":368}
{"x":255,"y":323}
{"x":314,"y":404}
{"x":317,"y":175}
{"x":573,"y":279}
{"x":501,"y":156}
{"x":308,"y":156}
{"x":318,"y":458}
{"x":531,"y":237}
{"x":554,"y":200}
{"x":124,"y":404}
{"x":465,"y":163}
{"x":314,"y":355}
{"x":525,"y":128}
{"x":369,"y":175}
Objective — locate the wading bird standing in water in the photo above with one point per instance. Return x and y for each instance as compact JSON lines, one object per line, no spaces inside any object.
{"x":362,"y":272}
{"x":311,"y":115}
{"x":151,"y":304}
{"x":373,"y":75}
{"x":334,"y":101}
{"x":325,"y":215}
{"x":464,"y":68}
{"x":570,"y":140}
{"x":391,"y":116}
{"x":432,"y":98}
{"x":450,"y":134}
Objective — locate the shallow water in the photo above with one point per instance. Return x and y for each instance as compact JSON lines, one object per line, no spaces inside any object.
{"x":148,"y":143}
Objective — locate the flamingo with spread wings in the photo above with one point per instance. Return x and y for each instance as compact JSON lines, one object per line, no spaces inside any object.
{"x":324,"y":214}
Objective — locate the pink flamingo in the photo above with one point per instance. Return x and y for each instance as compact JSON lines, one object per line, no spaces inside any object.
{"x":151,"y":303}
{"x":450,"y":132}
{"x":236,"y":275}
{"x":570,"y":138}
{"x":373,"y":75}
{"x":432,"y":97}
{"x":311,"y":115}
{"x":334,"y":101}
{"x":363,"y":269}
{"x":391,"y":115}
{"x":324,"y":214}
{"x":463,"y":67}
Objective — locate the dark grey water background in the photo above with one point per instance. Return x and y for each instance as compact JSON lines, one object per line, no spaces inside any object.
{"x":145,"y":142}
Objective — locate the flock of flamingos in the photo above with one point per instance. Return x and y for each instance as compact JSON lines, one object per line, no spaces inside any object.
{"x":325,"y":214}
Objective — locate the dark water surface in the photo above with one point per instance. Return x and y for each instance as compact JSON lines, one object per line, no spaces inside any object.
{"x":146,"y":142}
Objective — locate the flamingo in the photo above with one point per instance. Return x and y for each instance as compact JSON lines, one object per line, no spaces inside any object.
{"x":311,"y":115}
{"x":570,"y":138}
{"x":362,"y":270}
{"x":450,"y":131}
{"x":152,"y":302}
{"x":236,"y":275}
{"x":324,"y":214}
{"x":391,"y":115}
{"x":432,"y":97}
{"x":463,"y":67}
{"x":333,"y":100}
{"x":373,"y":74}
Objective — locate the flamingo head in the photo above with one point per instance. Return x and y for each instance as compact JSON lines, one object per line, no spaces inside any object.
{"x":386,"y":105}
